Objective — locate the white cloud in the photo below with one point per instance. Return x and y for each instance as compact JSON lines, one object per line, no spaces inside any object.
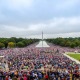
{"x":64,"y":35}
{"x":58,"y":25}
{"x":13,"y":28}
{"x":54,"y":27}
{"x":18,"y":17}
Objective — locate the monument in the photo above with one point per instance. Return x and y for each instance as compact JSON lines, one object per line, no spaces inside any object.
{"x":42,"y":43}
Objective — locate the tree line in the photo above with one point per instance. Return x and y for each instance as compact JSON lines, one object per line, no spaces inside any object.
{"x":66,"y":42}
{"x":16,"y":42}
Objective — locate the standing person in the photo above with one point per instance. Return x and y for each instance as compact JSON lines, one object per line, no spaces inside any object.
{"x":7,"y":78}
{"x":18,"y":78}
{"x":14,"y":78}
{"x":36,"y":78}
{"x":46,"y":77}
{"x":10,"y":78}
{"x":25,"y":77}
{"x":21,"y":78}
{"x":40,"y":76}
{"x":0,"y":76}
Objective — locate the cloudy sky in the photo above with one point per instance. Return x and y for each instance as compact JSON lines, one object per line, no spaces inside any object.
{"x":28,"y":18}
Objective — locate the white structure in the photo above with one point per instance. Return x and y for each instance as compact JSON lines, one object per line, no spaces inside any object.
{"x":42,"y":45}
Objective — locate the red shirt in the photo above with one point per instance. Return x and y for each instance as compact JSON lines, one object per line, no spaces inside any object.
{"x":46,"y":76}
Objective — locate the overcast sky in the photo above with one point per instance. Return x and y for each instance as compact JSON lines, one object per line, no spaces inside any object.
{"x":28,"y":18}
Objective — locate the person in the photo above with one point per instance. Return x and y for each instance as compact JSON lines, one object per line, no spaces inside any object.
{"x":40,"y":76}
{"x":18,"y":78}
{"x":34,"y":59}
{"x":25,"y":77}
{"x":46,"y":77}
{"x":21,"y":78}
{"x":14,"y":78}
{"x":36,"y":78}
{"x":7,"y":78}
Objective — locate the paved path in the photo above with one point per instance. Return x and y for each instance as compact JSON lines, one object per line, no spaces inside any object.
{"x":65,"y":54}
{"x":44,"y":44}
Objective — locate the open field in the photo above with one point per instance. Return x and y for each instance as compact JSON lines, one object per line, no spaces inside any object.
{"x":74,"y":55}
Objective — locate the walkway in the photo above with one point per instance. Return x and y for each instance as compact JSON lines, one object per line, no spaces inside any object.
{"x":65,"y":54}
{"x":44,"y":44}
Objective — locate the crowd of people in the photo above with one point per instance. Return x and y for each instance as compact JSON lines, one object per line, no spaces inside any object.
{"x":32,"y":63}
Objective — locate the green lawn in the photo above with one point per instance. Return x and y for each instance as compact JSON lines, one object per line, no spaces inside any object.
{"x":74,"y":55}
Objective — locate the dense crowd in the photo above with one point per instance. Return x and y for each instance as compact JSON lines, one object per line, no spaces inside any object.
{"x":33,"y":63}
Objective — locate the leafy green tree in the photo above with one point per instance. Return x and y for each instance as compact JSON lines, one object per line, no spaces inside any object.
{"x":11,"y":40}
{"x":67,"y":42}
{"x":72,"y":45}
{"x":77,"y":42}
{"x":11,"y":44}
{"x":25,"y":42}
{"x":20,"y":44}
{"x":2,"y":45}
{"x":4,"y":41}
{"x":6,"y":44}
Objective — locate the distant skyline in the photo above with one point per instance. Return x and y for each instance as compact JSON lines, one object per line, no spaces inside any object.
{"x":28,"y":18}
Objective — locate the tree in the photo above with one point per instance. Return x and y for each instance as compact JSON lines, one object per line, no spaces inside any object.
{"x":25,"y":42}
{"x":2,"y":45}
{"x":11,"y":44}
{"x":67,"y":43}
{"x":11,"y":39}
{"x":20,"y":44}
{"x":77,"y":42}
{"x":72,"y":45}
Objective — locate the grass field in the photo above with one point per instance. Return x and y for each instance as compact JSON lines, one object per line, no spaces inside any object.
{"x":74,"y":55}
